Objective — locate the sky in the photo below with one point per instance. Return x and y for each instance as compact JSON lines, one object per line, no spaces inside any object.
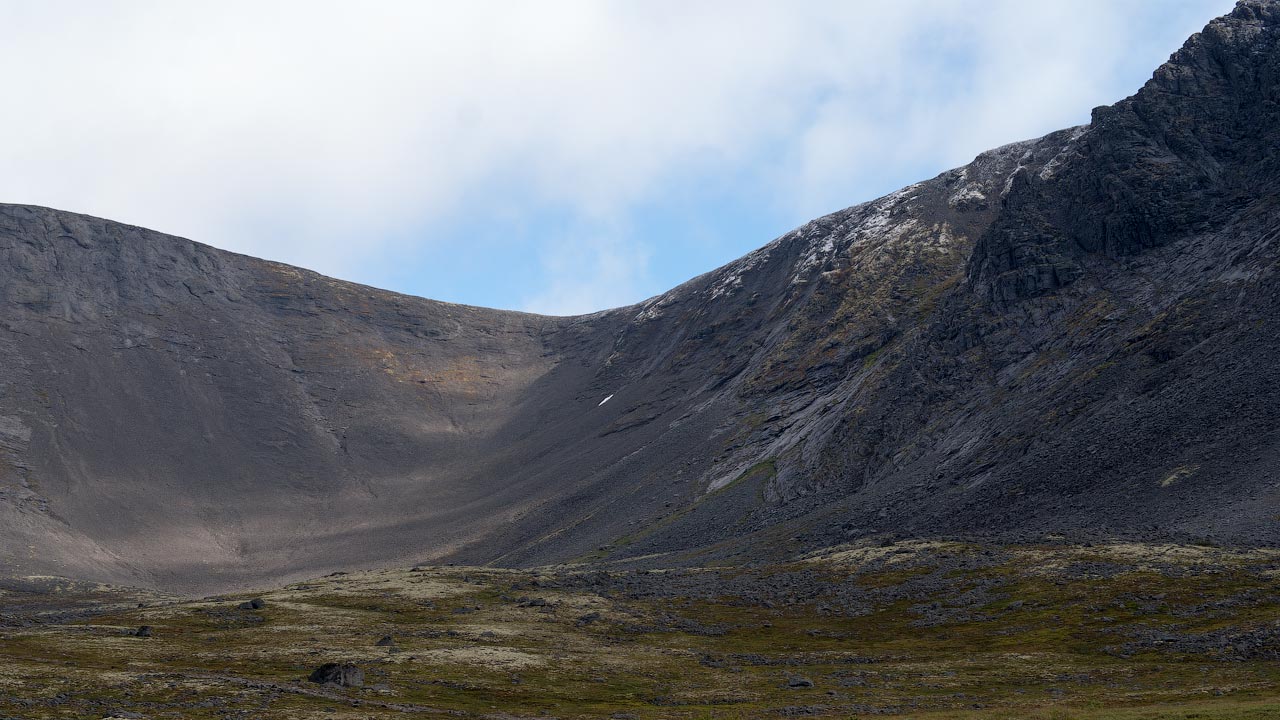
{"x":559,"y":157}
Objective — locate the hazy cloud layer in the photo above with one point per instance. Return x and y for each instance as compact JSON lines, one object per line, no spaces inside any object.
{"x":557,"y":156}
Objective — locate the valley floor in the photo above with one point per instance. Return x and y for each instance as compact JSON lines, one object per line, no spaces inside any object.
{"x":924,"y":629}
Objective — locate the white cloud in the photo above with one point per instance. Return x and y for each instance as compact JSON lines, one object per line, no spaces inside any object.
{"x":314,"y":132}
{"x":594,"y":269}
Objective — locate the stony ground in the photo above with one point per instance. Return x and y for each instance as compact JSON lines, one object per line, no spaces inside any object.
{"x":931,"y":630}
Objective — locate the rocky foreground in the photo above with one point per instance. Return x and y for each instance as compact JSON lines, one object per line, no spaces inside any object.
{"x":917,"y":629}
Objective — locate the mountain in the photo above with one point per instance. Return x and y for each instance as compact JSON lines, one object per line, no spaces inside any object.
{"x":1075,"y":335}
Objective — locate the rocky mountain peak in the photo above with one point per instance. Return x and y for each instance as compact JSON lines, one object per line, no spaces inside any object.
{"x":1075,"y":334}
{"x":1178,"y":157}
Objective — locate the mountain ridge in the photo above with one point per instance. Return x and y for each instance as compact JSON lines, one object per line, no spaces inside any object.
{"x":1070,"y":335}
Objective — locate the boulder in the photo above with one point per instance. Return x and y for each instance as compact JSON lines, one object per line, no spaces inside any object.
{"x":340,"y":674}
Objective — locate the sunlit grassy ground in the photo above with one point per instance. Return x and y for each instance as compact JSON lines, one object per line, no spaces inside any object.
{"x":930,"y":630}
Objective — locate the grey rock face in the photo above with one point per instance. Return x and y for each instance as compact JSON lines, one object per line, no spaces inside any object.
{"x":1073,"y":335}
{"x":1179,"y":158}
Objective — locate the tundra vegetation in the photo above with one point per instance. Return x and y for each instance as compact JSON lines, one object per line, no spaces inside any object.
{"x":926,"y":629}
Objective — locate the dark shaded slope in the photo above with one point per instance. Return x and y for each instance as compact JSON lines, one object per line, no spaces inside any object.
{"x":184,"y":407}
{"x":1074,"y":334}
{"x":1100,"y":360}
{"x":1108,"y":362}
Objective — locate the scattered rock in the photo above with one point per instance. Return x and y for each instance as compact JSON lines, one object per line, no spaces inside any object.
{"x":712,"y":661}
{"x":796,"y":681}
{"x":144,"y":631}
{"x":386,"y":641}
{"x":340,"y":674}
{"x":254,"y":604}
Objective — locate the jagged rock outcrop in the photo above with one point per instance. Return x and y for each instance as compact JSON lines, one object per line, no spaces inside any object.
{"x":1180,"y":157}
{"x":1075,"y":335}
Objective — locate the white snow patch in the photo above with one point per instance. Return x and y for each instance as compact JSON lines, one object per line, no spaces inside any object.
{"x":652,"y":309}
{"x":876,"y":226}
{"x":1007,"y":151}
{"x":649,"y":312}
{"x":605,"y":400}
{"x":1052,"y":166}
{"x":820,"y":250}
{"x":968,"y":192}
{"x":992,"y":162}
{"x":1008,"y":182}
{"x":732,"y":278}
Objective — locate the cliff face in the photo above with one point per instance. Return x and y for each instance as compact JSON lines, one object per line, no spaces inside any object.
{"x":1071,"y":335}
